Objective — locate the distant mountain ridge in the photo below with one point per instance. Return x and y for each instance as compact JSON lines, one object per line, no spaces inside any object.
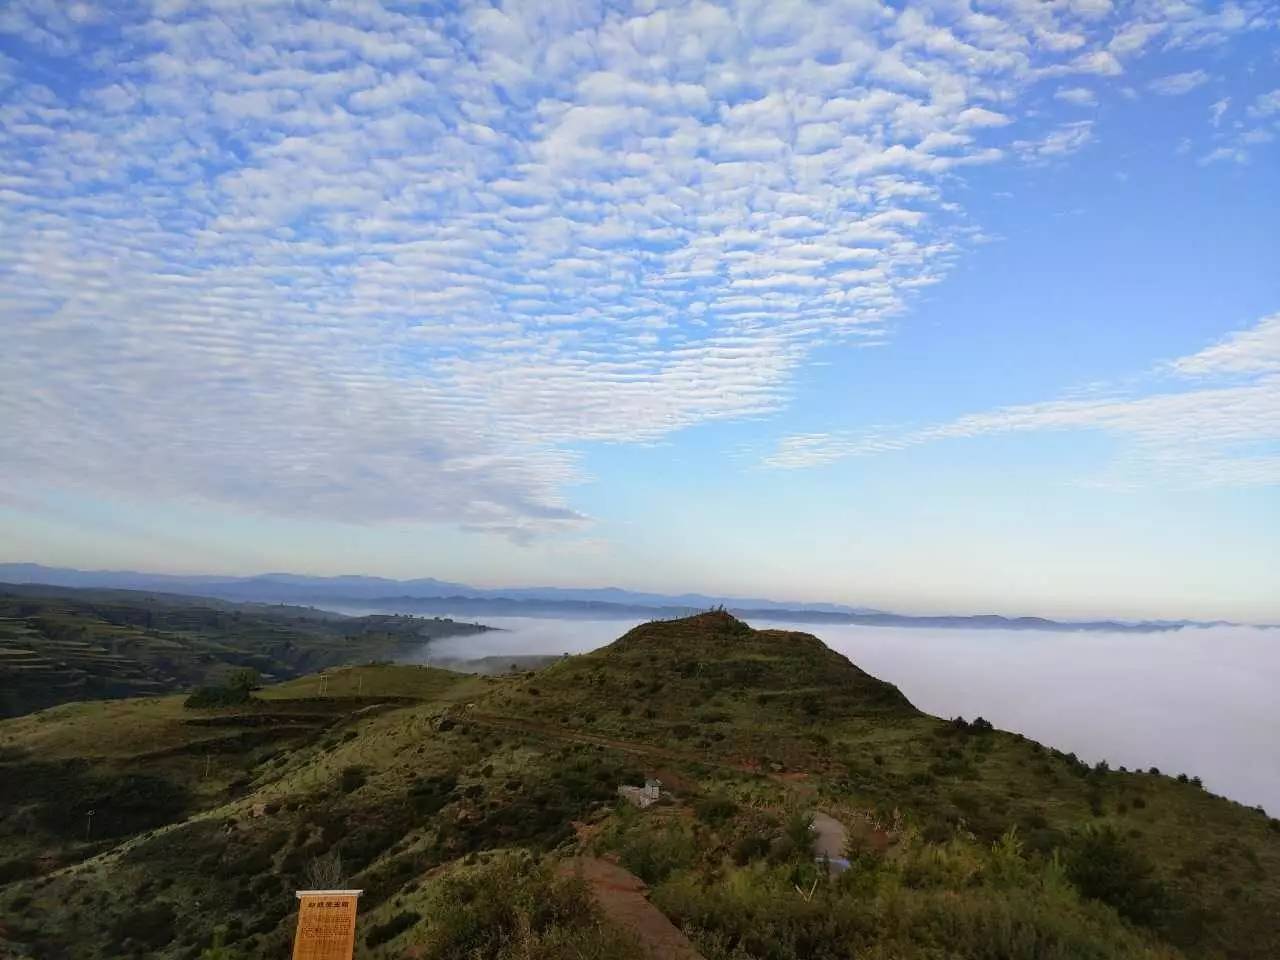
{"x":281,"y":587}
{"x":429,"y":595}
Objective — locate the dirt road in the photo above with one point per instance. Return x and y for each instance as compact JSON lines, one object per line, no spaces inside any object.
{"x":620,"y":895}
{"x":829,"y":837}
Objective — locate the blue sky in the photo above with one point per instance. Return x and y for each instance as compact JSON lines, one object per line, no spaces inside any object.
{"x":947,"y":306}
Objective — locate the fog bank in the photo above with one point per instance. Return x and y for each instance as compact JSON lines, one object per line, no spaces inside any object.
{"x":524,"y":635}
{"x":1198,"y":700}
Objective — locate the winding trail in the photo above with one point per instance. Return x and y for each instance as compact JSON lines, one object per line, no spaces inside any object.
{"x":620,"y":895}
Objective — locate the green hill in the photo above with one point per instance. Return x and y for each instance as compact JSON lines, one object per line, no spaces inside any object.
{"x":59,"y":645}
{"x":450,"y":800}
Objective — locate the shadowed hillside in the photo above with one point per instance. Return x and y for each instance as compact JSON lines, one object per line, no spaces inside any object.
{"x":479,"y":813}
{"x":59,"y":645}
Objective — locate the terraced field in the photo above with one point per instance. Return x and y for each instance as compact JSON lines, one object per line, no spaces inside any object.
{"x":58,"y":646}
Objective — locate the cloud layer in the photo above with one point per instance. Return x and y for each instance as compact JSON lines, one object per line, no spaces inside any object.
{"x":343,"y":261}
{"x":1217,"y":423}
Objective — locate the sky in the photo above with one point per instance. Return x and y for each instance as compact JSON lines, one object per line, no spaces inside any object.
{"x":931,"y":307}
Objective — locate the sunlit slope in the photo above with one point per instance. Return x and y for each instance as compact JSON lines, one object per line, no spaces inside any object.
{"x":427,"y":783}
{"x":710,"y":683}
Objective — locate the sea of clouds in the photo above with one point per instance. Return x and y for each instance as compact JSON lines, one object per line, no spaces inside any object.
{"x":1196,"y":700}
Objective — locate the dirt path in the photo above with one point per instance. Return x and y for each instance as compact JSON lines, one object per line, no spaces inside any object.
{"x":620,"y":895}
{"x":829,"y":837}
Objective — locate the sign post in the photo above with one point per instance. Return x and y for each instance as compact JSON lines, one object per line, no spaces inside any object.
{"x":326,"y":925}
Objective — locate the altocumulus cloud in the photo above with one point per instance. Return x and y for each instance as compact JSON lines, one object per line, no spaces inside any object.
{"x":347,"y":260}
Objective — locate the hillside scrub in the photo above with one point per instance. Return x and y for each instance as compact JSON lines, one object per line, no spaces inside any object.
{"x":958,"y":900}
{"x":964,"y":842}
{"x":515,"y":908}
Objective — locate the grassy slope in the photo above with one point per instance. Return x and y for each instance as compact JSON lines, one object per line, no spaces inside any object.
{"x":425,"y":775}
{"x":60,"y":645}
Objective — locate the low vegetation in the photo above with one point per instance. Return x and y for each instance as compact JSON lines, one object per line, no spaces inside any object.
{"x":452,"y":800}
{"x":59,"y":645}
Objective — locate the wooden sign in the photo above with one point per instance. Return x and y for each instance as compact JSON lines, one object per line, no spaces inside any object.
{"x":326,"y":925}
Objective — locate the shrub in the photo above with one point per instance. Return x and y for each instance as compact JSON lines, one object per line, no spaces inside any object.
{"x":750,"y":848}
{"x":235,"y":691}
{"x":151,"y":926}
{"x":122,"y":805}
{"x":352,"y":778}
{"x":798,"y":828}
{"x":17,"y":869}
{"x":515,"y":908}
{"x":715,"y":809}
{"x":651,"y":851}
{"x":382,"y":932}
{"x":1103,"y":867}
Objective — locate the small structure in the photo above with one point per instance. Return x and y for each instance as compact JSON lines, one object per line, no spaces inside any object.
{"x":326,"y":924}
{"x":642,"y":797}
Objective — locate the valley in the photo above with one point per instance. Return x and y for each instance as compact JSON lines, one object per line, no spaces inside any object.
{"x":59,"y":645}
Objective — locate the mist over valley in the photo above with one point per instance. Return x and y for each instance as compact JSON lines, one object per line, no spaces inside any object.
{"x":1194,"y":700}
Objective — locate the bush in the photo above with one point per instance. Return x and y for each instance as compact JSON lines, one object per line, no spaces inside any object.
{"x":236,"y":690}
{"x":515,"y":908}
{"x":429,"y":794}
{"x":123,"y":805}
{"x":799,"y":830}
{"x":17,"y":869}
{"x":352,"y":778}
{"x":750,"y":848}
{"x":382,"y":932}
{"x":151,"y":926}
{"x":651,"y":851}
{"x":1103,"y":867}
{"x":715,"y":810}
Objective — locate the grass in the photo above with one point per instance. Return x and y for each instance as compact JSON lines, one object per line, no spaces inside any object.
{"x":449,"y":798}
{"x":60,"y":645}
{"x":378,"y":681}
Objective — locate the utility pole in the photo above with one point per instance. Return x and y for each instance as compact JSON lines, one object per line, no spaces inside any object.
{"x":208,"y":758}
{"x":88,"y":824}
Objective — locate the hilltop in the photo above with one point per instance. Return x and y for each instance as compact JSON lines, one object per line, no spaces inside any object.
{"x":467,"y":807}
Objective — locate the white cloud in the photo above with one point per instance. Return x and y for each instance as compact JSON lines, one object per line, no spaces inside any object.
{"x":1220,"y":427}
{"x":1225,"y":154}
{"x":346,"y":260}
{"x":1176,"y":84}
{"x":1255,"y":350}
{"x":1077,"y":96}
{"x":1266,"y":104}
{"x":1063,"y":141}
